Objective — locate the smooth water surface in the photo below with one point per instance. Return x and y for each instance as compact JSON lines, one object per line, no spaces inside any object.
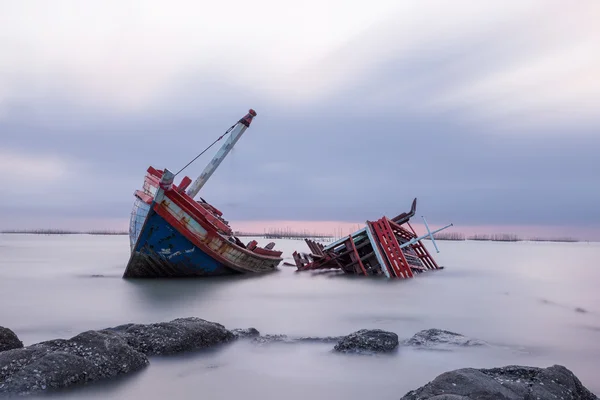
{"x":538,"y":303}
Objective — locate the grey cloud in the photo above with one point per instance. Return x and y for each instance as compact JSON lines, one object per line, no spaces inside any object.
{"x":338,"y":158}
{"x":345,"y":167}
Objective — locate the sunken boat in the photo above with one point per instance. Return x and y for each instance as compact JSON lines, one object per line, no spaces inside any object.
{"x":387,"y":247}
{"x":173,"y":235}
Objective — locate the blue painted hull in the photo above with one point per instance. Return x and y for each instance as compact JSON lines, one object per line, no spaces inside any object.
{"x":136,"y":223}
{"x":172,"y":235}
{"x":159,"y":250}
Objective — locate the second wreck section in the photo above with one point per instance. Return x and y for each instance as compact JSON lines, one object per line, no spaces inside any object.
{"x":388,"y":246}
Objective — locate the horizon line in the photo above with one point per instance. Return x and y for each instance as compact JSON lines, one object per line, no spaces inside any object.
{"x":291,"y":234}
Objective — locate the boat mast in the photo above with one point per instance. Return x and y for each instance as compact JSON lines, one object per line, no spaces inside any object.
{"x":235,"y":135}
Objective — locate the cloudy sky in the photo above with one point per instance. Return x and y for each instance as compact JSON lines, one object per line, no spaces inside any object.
{"x":487,"y":112}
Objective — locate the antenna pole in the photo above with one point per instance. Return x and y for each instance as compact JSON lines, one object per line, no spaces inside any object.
{"x":235,"y":134}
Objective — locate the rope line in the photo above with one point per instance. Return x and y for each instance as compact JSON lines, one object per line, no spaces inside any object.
{"x":206,"y":149}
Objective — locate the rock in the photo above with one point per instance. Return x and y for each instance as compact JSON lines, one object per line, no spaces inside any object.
{"x":506,"y":383}
{"x":96,"y":355}
{"x":9,"y":340}
{"x":246,"y":333}
{"x":368,"y":341}
{"x":89,"y":356}
{"x":436,"y":337}
{"x":266,"y":339}
{"x":179,"y":335}
{"x":326,"y":339}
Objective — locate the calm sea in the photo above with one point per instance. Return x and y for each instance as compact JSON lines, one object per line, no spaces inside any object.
{"x":537,"y":303}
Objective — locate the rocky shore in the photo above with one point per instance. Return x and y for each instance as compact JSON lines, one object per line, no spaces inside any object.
{"x":9,"y":340}
{"x":111,"y":352}
{"x":512,"y":382}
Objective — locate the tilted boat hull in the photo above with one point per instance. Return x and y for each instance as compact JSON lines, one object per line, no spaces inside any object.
{"x":174,"y":236}
{"x":162,"y":252}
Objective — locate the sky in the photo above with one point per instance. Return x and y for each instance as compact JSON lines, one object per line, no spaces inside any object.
{"x":487,"y":112}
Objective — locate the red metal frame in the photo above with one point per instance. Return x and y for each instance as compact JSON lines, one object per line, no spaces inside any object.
{"x":386,"y":264}
{"x":356,"y":257}
{"x":391,"y":249}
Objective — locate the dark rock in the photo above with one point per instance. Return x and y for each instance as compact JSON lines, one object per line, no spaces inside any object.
{"x":506,"y":383}
{"x":266,"y":339}
{"x":368,"y":341}
{"x":9,"y":340}
{"x":89,"y":356}
{"x":326,"y":339}
{"x":246,"y":333}
{"x":436,"y":337}
{"x":179,"y":335}
{"x":95,"y":355}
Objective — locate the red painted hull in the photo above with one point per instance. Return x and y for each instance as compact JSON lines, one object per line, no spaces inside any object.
{"x":197,"y":226}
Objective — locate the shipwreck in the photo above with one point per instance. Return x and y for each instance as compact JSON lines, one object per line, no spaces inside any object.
{"x":387,"y":247}
{"x":173,"y":235}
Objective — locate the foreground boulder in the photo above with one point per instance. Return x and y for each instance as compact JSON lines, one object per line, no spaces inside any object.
{"x":440,"y":337}
{"x":506,"y":383}
{"x":89,"y":356}
{"x":95,"y":355}
{"x":179,"y":335}
{"x":9,"y":340}
{"x":368,"y":341}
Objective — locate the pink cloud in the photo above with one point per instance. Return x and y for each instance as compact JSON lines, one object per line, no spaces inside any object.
{"x":338,"y":228}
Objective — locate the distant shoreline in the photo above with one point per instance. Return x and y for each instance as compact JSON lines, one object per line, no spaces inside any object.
{"x":62,"y":232}
{"x":450,"y":236}
{"x":500,"y":237}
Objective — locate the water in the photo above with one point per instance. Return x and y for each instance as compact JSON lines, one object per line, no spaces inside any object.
{"x":537,"y":302}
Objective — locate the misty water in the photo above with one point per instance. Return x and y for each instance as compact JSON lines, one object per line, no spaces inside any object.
{"x":536,"y":304}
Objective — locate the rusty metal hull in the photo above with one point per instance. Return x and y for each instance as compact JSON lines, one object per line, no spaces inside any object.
{"x":174,"y":236}
{"x":161,"y":251}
